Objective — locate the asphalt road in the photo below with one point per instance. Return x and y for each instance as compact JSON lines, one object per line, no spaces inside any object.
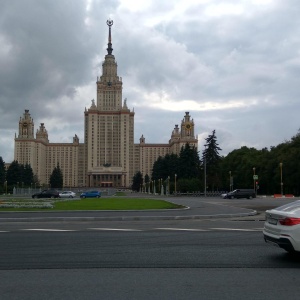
{"x":197,"y":207}
{"x":191,"y":258}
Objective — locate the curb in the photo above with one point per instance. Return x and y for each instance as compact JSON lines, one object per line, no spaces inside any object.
{"x":128,"y":218}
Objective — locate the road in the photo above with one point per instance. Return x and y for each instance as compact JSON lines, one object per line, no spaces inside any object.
{"x":209,"y":258}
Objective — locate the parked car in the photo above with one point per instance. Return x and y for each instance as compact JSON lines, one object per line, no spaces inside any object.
{"x":67,"y":194}
{"x":282,"y":227}
{"x":90,"y":194}
{"x":241,"y":193}
{"x":46,"y":194}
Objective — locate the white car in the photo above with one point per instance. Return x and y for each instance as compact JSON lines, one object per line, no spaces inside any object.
{"x":67,"y":194}
{"x":282,"y":227}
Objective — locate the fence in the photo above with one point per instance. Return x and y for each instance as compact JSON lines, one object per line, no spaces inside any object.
{"x":30,"y":191}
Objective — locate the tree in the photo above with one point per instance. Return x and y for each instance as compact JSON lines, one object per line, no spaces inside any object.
{"x":14,"y":174}
{"x":137,"y":181}
{"x":56,"y":178}
{"x":212,"y":159}
{"x":188,"y":163}
{"x":147,"y":178}
{"x":36,"y":181}
{"x":27,"y":176}
{"x":165,"y":166}
{"x":2,"y":174}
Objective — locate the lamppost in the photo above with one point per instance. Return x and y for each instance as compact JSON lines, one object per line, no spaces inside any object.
{"x":175,"y":184}
{"x":204,"y":158}
{"x":5,"y":182}
{"x":229,"y":181}
{"x":168,"y":185}
{"x":254,"y":180}
{"x":281,"y":183}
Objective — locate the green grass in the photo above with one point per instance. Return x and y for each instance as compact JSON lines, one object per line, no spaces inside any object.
{"x":105,"y":204}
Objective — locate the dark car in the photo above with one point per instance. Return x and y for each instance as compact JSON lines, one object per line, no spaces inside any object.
{"x":90,"y":194}
{"x":241,"y":193}
{"x":46,"y":194}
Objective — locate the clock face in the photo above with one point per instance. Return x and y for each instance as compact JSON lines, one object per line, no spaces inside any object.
{"x":188,"y":126}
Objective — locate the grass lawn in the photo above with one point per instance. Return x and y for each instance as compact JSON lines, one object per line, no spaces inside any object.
{"x":118,"y":203}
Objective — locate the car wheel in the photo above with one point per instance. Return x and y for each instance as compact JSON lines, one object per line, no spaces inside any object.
{"x":83,"y":197}
{"x":228,"y":197}
{"x":70,"y":196}
{"x":35,"y":197}
{"x":52,"y":197}
{"x":98,"y":196}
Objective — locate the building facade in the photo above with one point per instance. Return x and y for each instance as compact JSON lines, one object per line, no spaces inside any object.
{"x":108,"y":156}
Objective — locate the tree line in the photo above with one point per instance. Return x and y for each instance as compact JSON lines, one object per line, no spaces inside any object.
{"x":268,"y":171}
{"x":21,"y":176}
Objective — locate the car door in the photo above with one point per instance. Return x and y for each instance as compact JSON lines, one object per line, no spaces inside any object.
{"x":44,"y":194}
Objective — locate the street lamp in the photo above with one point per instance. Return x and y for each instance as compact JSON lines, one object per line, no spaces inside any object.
{"x":229,"y":181}
{"x":204,"y":158}
{"x":175,"y":184}
{"x":281,"y":183}
{"x":160,"y":186}
{"x":254,"y":180}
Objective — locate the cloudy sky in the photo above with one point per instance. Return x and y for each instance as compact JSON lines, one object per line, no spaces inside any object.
{"x":234,"y":65}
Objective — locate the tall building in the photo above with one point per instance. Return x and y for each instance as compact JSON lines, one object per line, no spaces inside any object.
{"x":108,"y":156}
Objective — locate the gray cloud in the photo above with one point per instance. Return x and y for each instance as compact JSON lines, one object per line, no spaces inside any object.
{"x":239,"y":62}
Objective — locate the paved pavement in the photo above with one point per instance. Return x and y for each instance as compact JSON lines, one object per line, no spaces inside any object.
{"x":196,"y":208}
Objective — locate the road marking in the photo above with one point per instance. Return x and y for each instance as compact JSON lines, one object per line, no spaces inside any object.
{"x":114,"y":229}
{"x":181,"y":229}
{"x":38,"y":229}
{"x":133,"y":230}
{"x":233,"y":229}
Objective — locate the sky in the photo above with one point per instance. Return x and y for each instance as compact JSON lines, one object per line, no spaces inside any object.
{"x":233,"y":65}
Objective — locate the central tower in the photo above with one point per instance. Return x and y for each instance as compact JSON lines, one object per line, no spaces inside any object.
{"x":109,"y":129}
{"x":109,"y":85}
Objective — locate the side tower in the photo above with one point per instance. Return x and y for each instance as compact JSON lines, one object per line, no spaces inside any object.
{"x":184,"y":134}
{"x":24,"y":141}
{"x":31,"y":150}
{"x":109,"y":129}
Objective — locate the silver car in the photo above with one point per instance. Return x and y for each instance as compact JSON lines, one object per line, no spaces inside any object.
{"x":282,"y":227}
{"x":67,"y":194}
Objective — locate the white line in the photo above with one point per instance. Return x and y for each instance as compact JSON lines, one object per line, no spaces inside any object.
{"x":37,"y":229}
{"x":233,"y":229}
{"x":181,"y":229}
{"x":114,"y":229}
{"x":4,"y":231}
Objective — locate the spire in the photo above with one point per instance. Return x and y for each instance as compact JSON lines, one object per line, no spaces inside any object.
{"x":109,"y":48}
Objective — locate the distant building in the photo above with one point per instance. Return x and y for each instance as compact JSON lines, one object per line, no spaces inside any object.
{"x":108,"y":156}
